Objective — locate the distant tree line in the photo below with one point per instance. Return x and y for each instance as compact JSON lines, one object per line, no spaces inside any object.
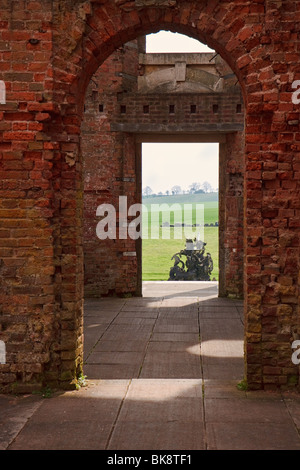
{"x":194,"y":188}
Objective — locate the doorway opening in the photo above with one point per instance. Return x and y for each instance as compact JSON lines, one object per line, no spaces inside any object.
{"x":161,"y":134}
{"x":179,"y":102}
{"x":180,"y":189}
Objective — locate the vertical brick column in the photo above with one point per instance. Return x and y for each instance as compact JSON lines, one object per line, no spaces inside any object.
{"x":272,"y":203}
{"x":27,"y":298}
{"x":231,"y":216}
{"x":110,"y":265}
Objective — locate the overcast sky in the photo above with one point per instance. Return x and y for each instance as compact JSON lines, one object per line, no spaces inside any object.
{"x":164,"y":41}
{"x":167,"y":165}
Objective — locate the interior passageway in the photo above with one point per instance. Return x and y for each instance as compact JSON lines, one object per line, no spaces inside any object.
{"x":178,"y":330}
{"x":162,"y":352}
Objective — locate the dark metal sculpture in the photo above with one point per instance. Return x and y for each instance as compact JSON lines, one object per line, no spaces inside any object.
{"x":198,"y":266}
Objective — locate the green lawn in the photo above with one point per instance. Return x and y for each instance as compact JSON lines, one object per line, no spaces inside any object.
{"x":157,"y":253}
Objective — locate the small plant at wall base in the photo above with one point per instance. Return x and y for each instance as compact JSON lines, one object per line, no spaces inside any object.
{"x":242,"y":385}
{"x":81,"y":381}
{"x":46,"y":392}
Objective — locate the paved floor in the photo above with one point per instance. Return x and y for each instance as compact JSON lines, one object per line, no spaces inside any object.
{"x":162,"y":375}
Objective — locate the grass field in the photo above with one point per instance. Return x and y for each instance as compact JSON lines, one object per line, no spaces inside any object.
{"x":157,"y":252}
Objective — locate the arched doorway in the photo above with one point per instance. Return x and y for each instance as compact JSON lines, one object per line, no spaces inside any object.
{"x":82,"y":37}
{"x":231,"y":39}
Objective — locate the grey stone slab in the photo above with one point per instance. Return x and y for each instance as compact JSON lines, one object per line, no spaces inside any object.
{"x":139,"y":313}
{"x":175,"y":435}
{"x":161,"y":357}
{"x":121,"y":346}
{"x":174,"y":346}
{"x":217,"y":306}
{"x":176,"y":317}
{"x":228,"y":370}
{"x":170,"y":370}
{"x":127,"y":332}
{"x":219,"y":314}
{"x":186,"y":288}
{"x":96,"y":322}
{"x":115,"y":357}
{"x":244,"y":410}
{"x":179,"y":328}
{"x":141,"y":304}
{"x":293,"y":406}
{"x":141,"y":321}
{"x":214,"y":351}
{"x":111,"y":371}
{"x":162,"y":411}
{"x":177,"y":321}
{"x":218,"y":388}
{"x":186,"y":337}
{"x":252,"y":436}
{"x":92,"y":335}
{"x":94,"y":331}
{"x":179,"y":305}
{"x":216,"y":302}
{"x":14,"y":414}
{"x":217,"y":329}
{"x":164,"y":389}
{"x":62,"y":435}
{"x":80,"y":420}
{"x":98,"y":312}
{"x":98,"y":305}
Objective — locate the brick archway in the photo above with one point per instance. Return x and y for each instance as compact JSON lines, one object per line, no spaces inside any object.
{"x":42,"y":292}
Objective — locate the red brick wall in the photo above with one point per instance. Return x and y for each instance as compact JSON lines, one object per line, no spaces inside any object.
{"x":231,"y":216}
{"x":41,"y":171}
{"x":109,"y":172}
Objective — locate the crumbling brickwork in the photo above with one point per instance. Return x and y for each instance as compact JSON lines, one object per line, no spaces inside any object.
{"x":49,"y":50}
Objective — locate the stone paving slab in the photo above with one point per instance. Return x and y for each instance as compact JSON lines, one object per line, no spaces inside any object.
{"x":176,"y":337}
{"x":158,"y":436}
{"x":252,"y":436}
{"x":121,"y":346}
{"x":245,"y":410}
{"x":116,"y":333}
{"x":116,"y":357}
{"x":14,"y":414}
{"x":74,"y":421}
{"x":174,"y":346}
{"x":134,"y":321}
{"x":214,"y":350}
{"x":223,"y":371}
{"x":162,"y":374}
{"x":161,"y":414}
{"x":173,"y":364}
{"x":161,"y":411}
{"x":108,"y":371}
{"x":165,"y":328}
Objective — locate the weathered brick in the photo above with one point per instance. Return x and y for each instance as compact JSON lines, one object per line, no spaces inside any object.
{"x":46,"y":85}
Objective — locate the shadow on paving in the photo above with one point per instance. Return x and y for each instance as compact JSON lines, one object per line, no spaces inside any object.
{"x":162,"y":375}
